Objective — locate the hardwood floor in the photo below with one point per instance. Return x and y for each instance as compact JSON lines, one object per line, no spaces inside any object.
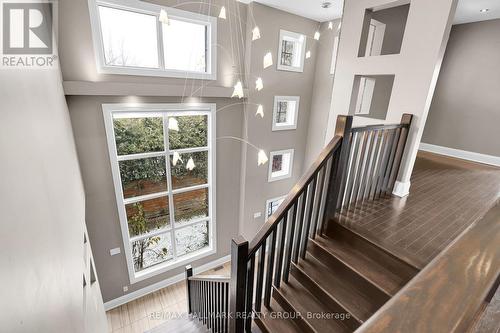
{"x":447,"y":195}
{"x":154,"y":309}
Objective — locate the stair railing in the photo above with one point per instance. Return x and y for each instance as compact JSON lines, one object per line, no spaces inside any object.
{"x":208,"y":300}
{"x":358,"y":164}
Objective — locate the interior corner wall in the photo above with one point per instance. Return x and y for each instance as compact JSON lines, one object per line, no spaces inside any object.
{"x":416,"y":68}
{"x":257,"y":189}
{"x":465,"y":112}
{"x":43,"y":211}
{"x":322,"y":92}
{"x":78,"y":64}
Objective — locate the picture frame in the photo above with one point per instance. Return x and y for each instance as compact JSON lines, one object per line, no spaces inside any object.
{"x":291,"y":51}
{"x":285,"y":113}
{"x":280,"y":165}
{"x":272,"y":205}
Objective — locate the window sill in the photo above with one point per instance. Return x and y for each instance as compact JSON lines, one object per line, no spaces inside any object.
{"x":165,"y":267}
{"x":87,"y":88}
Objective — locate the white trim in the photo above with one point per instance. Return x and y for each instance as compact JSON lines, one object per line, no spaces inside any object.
{"x":292,"y":126}
{"x":171,"y":109}
{"x":270,"y":177}
{"x":162,"y":284}
{"x":153,"y":9}
{"x":272,"y":200}
{"x":462,"y":154}
{"x":299,"y":38}
{"x":401,"y":189}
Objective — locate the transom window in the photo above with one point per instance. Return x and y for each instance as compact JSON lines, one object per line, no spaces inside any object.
{"x":162,"y":162}
{"x":130,"y":39}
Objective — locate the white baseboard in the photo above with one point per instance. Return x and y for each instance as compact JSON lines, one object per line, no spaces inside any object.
{"x":401,"y":189}
{"x":462,"y":154}
{"x":162,"y":284}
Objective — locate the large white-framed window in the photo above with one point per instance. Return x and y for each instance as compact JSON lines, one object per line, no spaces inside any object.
{"x":163,"y":165}
{"x":129,"y":39}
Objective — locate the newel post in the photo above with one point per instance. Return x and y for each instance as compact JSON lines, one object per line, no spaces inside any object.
{"x":189,"y":273}
{"x":336,"y":184}
{"x":239,"y":261}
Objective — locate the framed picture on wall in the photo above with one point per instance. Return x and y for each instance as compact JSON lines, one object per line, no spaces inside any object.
{"x":291,"y":51}
{"x":285,"y":112}
{"x":272,"y":206}
{"x":280,"y":165}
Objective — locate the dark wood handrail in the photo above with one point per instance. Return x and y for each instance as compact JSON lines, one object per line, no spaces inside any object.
{"x":213,"y":278}
{"x":296,"y":191}
{"x":447,"y":294}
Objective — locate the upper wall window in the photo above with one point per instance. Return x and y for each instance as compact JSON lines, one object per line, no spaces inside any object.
{"x":130,"y":39}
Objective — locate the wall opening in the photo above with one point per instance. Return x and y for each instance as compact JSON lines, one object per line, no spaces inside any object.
{"x":383,"y":31}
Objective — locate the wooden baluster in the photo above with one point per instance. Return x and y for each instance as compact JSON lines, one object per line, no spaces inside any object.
{"x":210,"y":307}
{"x":326,"y":179}
{"x":289,"y":241}
{"x":373,"y":162}
{"x":249,"y":294}
{"x":189,"y":273}
{"x":406,"y":120}
{"x":390,"y":165}
{"x":269,"y":271}
{"x":385,"y":158}
{"x":361,"y":166}
{"x":226,"y":302}
{"x":336,"y":193}
{"x":260,"y":276}
{"x":368,"y":164}
{"x":280,"y":253}
{"x":377,"y":164}
{"x":351,"y":176}
{"x":307,"y":224}
{"x":219,"y":307}
{"x":317,"y":202}
{"x":299,"y":232}
{"x":239,"y":256}
{"x":204,"y":301}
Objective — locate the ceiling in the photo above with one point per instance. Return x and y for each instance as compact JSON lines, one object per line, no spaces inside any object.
{"x":467,"y":11}
{"x":307,"y":8}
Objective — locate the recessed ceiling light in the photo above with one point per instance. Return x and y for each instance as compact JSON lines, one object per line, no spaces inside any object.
{"x":326,"y":4}
{"x":484,"y":10}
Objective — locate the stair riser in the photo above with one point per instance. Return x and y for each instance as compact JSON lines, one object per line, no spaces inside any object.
{"x":285,"y":304}
{"x":378,"y":254}
{"x":324,"y":297}
{"x":347,"y":272}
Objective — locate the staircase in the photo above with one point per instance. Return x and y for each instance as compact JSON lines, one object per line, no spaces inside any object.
{"x":344,"y":279}
{"x":304,"y":271}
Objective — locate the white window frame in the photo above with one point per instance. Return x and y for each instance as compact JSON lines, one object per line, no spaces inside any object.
{"x":270,"y":177}
{"x":185,"y":109}
{"x":278,"y":99}
{"x":272,"y":200}
{"x":152,"y":9}
{"x":300,"y":38}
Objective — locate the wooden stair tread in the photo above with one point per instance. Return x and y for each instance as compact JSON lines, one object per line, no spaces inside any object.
{"x":360,"y":302}
{"x":267,"y":321}
{"x":293,"y":295}
{"x":388,"y":281}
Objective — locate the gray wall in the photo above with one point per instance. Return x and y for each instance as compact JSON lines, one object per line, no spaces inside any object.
{"x":78,"y":64}
{"x":465,"y":111}
{"x":322,"y":93}
{"x":256,"y":189}
{"x":102,"y":214}
{"x":43,"y":211}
